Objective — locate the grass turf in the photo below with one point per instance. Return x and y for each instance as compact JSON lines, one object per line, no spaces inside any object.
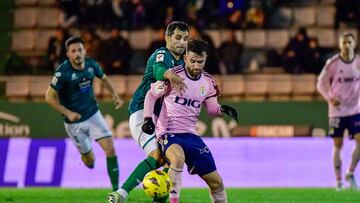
{"x":251,"y":195}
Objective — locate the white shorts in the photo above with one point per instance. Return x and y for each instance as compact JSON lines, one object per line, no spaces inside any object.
{"x":82,"y":133}
{"x":147,"y":142}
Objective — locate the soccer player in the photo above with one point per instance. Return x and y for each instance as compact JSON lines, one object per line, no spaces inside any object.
{"x":157,"y":68}
{"x":339,"y":84}
{"x":175,"y":126}
{"x":71,"y":93}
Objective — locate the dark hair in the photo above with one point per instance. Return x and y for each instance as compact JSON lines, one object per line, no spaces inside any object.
{"x":197,"y":45}
{"x":182,"y":26}
{"x":347,"y":34}
{"x":73,"y":40}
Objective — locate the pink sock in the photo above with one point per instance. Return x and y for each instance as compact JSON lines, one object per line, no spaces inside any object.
{"x":176,"y":179}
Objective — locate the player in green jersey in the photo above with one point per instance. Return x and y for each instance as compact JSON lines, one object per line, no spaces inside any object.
{"x":71,"y":93}
{"x":157,"y":68}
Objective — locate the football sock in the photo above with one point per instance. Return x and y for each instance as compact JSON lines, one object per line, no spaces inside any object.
{"x":176,"y":179}
{"x":354,"y":158}
{"x":337,"y":163}
{"x":137,"y":176}
{"x":113,"y":171}
{"x":218,"y":196}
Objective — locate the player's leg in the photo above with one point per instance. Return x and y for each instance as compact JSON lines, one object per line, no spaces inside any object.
{"x":111,"y":161}
{"x":176,"y":156}
{"x":82,"y":142}
{"x":337,"y":126}
{"x":100,"y":132}
{"x":338,"y":143}
{"x":216,"y":187}
{"x":149,"y":144}
{"x":354,"y":131}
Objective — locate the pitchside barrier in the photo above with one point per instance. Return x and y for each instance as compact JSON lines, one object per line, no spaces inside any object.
{"x":257,"y":119}
{"x":242,"y":162}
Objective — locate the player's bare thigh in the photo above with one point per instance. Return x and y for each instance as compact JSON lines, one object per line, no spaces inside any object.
{"x":175,"y":154}
{"x":107,"y":145}
{"x":338,"y":142}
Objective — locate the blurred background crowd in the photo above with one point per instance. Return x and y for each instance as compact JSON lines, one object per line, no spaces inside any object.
{"x":245,"y":36}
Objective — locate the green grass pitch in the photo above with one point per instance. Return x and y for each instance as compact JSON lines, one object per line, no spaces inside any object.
{"x":251,"y":195}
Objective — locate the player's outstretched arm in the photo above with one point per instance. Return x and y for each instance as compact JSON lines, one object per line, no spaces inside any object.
{"x":52,"y":98}
{"x":176,"y":81}
{"x":108,"y":85}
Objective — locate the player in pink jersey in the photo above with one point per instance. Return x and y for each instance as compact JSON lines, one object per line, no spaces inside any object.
{"x":175,"y":126}
{"x":339,"y":84}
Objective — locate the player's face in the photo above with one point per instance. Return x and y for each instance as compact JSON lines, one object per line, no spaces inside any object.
{"x":76,"y":53}
{"x":177,"y":42}
{"x":347,"y":44}
{"x":195,"y":63}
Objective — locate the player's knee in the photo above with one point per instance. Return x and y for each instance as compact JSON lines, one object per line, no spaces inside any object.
{"x":110,"y":151}
{"x":216,"y":184}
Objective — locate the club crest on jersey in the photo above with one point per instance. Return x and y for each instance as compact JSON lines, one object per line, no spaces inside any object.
{"x":159,"y":57}
{"x":202,"y":91}
{"x":91,"y":70}
{"x":74,"y":76}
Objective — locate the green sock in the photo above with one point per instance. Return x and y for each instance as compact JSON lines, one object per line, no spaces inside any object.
{"x":113,"y":171}
{"x":139,"y":173}
{"x":162,"y":199}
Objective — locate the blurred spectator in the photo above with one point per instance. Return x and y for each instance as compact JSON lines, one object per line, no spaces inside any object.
{"x":293,"y":54}
{"x":230,"y":52}
{"x":116,"y":54}
{"x":211,"y":65}
{"x":155,"y":8}
{"x":254,"y":18}
{"x":157,"y":43}
{"x":92,"y":12}
{"x":169,"y":16}
{"x":348,"y":12}
{"x":235,"y":20}
{"x":273,"y":58}
{"x":313,"y":57}
{"x":70,"y":12}
{"x":138,"y":14}
{"x":92,"y":43}
{"x":56,"y":51}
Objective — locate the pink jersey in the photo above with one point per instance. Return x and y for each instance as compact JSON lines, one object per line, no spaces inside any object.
{"x":341,"y":81}
{"x":180,"y":112}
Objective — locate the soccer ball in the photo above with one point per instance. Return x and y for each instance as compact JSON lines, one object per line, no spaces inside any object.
{"x":157,"y":184}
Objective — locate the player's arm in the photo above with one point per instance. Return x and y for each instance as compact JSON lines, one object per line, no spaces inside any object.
{"x":162,"y":73}
{"x":156,"y":91}
{"x":323,"y":84}
{"x":52,"y":98}
{"x":108,"y":85}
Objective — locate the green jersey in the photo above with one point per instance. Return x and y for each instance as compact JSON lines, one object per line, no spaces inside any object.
{"x":75,"y":87}
{"x":163,"y":56}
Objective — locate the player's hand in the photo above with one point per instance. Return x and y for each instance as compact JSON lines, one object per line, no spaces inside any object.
{"x":73,"y":116}
{"x":230,"y":111}
{"x":334,"y":102}
{"x":118,"y":102}
{"x":148,"y":127}
{"x":177,"y":82}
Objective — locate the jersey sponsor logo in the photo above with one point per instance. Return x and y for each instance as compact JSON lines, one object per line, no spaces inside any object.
{"x":159,"y":87}
{"x":187,"y":102}
{"x":348,"y":79}
{"x":85,"y":86}
{"x":202,"y":91}
{"x":159,"y":57}
{"x":204,"y":150}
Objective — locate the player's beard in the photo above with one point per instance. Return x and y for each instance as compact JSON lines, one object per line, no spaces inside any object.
{"x":179,"y":51}
{"x":78,"y":61}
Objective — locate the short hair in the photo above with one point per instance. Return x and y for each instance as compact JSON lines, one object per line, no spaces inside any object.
{"x":73,"y":40}
{"x":197,"y":45}
{"x":347,"y":34}
{"x":182,"y":26}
